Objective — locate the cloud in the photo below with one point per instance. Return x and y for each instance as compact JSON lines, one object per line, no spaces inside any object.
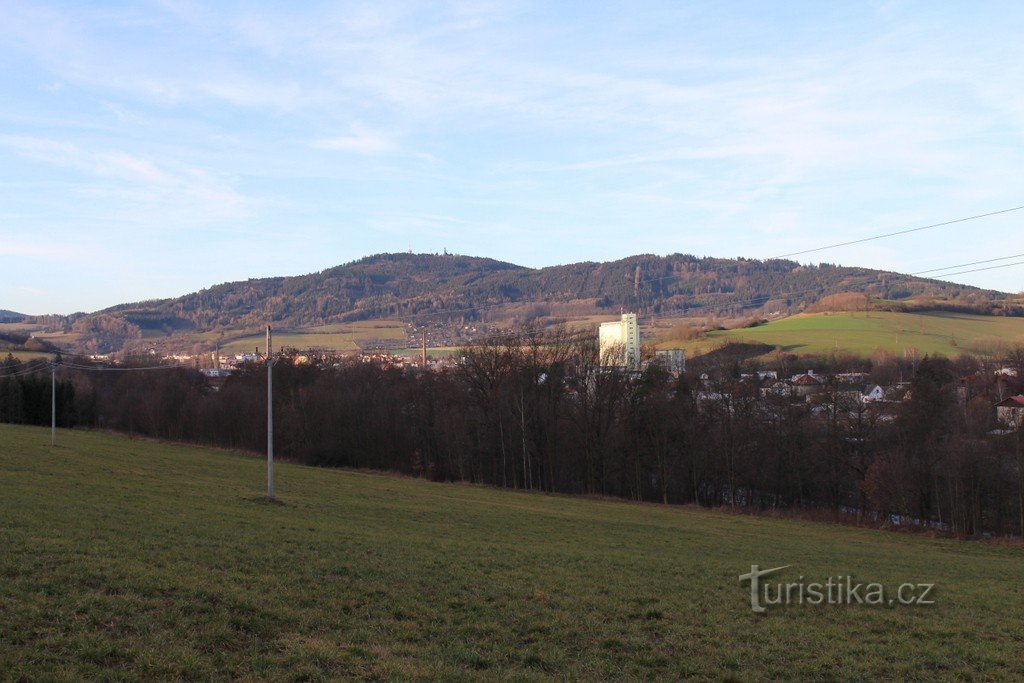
{"x":80,"y":254}
{"x":360,"y":141}
{"x":673,"y":127}
{"x":193,"y":191}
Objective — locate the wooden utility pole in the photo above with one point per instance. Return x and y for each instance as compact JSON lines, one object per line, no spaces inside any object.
{"x":424,"y":350}
{"x":270,"y":418}
{"x":53,"y":404}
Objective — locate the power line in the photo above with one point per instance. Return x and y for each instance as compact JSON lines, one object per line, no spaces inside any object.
{"x":975,"y":270}
{"x":973,"y":263}
{"x":410,"y":317}
{"x":895,"y":277}
{"x":868,"y":277}
{"x":899,"y":232}
{"x":107,"y":368}
{"x":27,"y":371}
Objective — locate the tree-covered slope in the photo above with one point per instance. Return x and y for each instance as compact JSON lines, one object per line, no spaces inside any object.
{"x":424,"y":284}
{"x":454,"y":289}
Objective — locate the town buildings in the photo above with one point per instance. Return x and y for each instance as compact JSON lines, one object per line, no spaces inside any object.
{"x":672,"y":360}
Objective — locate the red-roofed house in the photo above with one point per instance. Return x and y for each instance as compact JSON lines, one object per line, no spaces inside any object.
{"x":1010,"y":412}
{"x":806,"y":385}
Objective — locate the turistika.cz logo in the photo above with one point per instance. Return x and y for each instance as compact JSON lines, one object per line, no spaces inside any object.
{"x":836,"y":590}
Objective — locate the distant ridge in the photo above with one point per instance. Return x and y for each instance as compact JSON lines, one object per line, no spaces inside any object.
{"x":451,"y":289}
{"x":11,"y":316}
{"x":428,"y":285}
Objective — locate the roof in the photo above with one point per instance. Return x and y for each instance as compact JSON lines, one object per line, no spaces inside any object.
{"x":806,"y":380}
{"x":1012,"y":402}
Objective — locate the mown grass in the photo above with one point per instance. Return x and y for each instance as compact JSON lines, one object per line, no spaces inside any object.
{"x":128,"y":559}
{"x":934,"y":333}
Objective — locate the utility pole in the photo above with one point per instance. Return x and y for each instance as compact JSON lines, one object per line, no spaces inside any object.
{"x":1020,"y":477}
{"x":424,"y":349}
{"x":53,"y":404}
{"x":270,"y":418}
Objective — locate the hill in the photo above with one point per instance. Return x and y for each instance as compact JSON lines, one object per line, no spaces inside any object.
{"x":11,"y":316}
{"x":452,"y":291}
{"x":135,"y":559}
{"x":862,"y":332}
{"x":23,"y":344}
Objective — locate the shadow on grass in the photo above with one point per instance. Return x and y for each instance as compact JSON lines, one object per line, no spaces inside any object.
{"x":263,"y":500}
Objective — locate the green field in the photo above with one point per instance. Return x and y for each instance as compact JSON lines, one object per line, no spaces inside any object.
{"x":935,"y":333}
{"x":127,"y":559}
{"x":340,"y":337}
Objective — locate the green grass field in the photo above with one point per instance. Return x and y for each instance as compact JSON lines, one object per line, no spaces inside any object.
{"x":127,"y":559}
{"x":936,"y":333}
{"x":340,"y":337}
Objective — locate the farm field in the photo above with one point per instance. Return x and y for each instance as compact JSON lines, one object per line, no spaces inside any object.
{"x":341,"y":337}
{"x":19,"y":327}
{"x":25,"y":355}
{"x":935,"y":333}
{"x":131,"y":559}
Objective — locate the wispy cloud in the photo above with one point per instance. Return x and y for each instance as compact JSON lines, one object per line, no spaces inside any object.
{"x":361,"y":140}
{"x":137,"y":178}
{"x":654,"y":127}
{"x":78,"y":253}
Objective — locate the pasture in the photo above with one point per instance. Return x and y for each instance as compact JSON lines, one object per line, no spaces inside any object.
{"x":129,"y":559}
{"x":340,"y":337}
{"x":935,"y":333}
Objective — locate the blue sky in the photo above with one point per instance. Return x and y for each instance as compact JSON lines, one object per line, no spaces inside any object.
{"x":151,"y":149}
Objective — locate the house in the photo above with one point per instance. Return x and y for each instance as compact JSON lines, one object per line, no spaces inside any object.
{"x":672,"y":360}
{"x":872,"y":393}
{"x":1010,"y":411}
{"x":775,"y":387}
{"x":806,"y":385}
{"x":898,"y":393}
{"x":714,"y":397}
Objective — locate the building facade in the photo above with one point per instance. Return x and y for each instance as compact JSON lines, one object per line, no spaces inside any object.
{"x":672,"y":360}
{"x":619,"y":343}
{"x":1010,"y":412}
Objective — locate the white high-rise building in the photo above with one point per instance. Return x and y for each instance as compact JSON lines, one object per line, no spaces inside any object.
{"x":619,"y":343}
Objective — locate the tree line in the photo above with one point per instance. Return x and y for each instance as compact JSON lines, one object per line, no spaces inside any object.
{"x":538,"y":412}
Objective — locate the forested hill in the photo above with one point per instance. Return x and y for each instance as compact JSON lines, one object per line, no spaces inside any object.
{"x":432,"y":287}
{"x":10,"y":316}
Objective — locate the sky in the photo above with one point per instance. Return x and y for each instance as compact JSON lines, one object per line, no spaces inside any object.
{"x":150,"y":149}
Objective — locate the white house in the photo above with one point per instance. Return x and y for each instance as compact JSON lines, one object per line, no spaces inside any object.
{"x":872,"y":393}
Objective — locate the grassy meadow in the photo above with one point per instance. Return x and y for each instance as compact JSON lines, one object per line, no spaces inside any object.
{"x":340,"y":337}
{"x":934,"y":333}
{"x":127,"y":559}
